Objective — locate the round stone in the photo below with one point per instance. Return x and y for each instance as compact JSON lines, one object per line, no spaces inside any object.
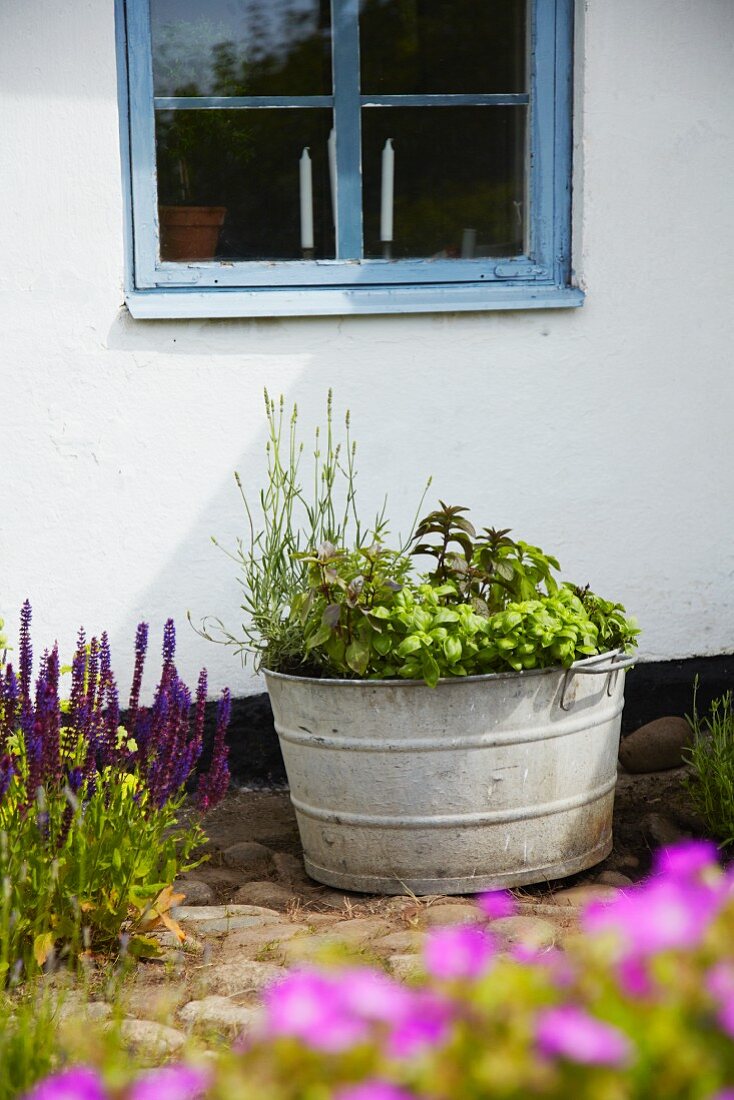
{"x":270,"y":894}
{"x":406,"y":967}
{"x":251,"y":860}
{"x":449,"y":913}
{"x":399,"y":943}
{"x":614,"y":878}
{"x":149,"y":1039}
{"x":528,"y":931}
{"x":581,"y":896}
{"x":218,"y":1013}
{"x":238,"y":977}
{"x":194,"y":891}
{"x":656,"y":746}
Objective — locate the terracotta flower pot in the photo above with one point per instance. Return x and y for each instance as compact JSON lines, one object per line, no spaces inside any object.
{"x":190,"y":232}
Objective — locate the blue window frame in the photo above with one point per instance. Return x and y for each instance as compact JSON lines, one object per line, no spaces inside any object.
{"x":535,"y":273}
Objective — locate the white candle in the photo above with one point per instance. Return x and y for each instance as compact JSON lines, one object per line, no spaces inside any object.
{"x":306,"y":181}
{"x":332,"y":171}
{"x":388,"y":188}
{"x":468,"y":244}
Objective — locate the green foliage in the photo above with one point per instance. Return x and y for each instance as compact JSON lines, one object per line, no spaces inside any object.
{"x":316,"y":607}
{"x":76,"y":870}
{"x":292,"y":518}
{"x":362,"y":617}
{"x":28,"y":1043}
{"x":489,"y":569}
{"x":711,"y":755}
{"x":48,"y":1026}
{"x":615,"y":630}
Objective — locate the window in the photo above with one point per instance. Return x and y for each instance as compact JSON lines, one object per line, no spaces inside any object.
{"x":341,"y":156}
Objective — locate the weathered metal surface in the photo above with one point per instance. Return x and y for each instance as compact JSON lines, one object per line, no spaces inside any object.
{"x":480,"y":783}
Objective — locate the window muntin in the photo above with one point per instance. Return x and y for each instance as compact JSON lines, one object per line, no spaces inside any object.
{"x":536,"y":150}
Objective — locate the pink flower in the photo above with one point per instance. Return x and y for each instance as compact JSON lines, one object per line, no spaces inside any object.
{"x":309,"y":1006}
{"x":720,"y":984}
{"x":373,"y":1090}
{"x":633,"y":976}
{"x":425,"y":1025}
{"x":496,"y":904}
{"x":661,"y":914}
{"x":80,"y":1083}
{"x":686,"y":860}
{"x":171,"y":1083}
{"x":569,"y":1032}
{"x":372,"y":995}
{"x":461,"y":951}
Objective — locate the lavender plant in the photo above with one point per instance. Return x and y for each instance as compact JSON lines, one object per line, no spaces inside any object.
{"x":91,"y":834}
{"x":711,"y":756}
{"x":291,"y":516}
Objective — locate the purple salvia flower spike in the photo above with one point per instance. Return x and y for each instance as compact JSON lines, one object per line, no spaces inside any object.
{"x":109,"y":700}
{"x":8,"y":705}
{"x":7,"y":771}
{"x":200,"y":713}
{"x":214,"y":783}
{"x":169,"y":643}
{"x":26,"y":653}
{"x":141,"y":648}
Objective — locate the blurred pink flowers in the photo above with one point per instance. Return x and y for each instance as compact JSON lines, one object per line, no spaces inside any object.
{"x":569,"y":1032}
{"x":672,"y":910}
{"x":374,"y":1090}
{"x":80,"y":1083}
{"x":497,"y":904}
{"x":460,"y":951}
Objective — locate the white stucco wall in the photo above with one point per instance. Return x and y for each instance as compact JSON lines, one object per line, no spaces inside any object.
{"x":604,"y":434}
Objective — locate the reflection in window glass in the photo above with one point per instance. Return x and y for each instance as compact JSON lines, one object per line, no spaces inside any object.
{"x":242,"y":172}
{"x":422,"y":47}
{"x":241,"y":47}
{"x":458,"y":176}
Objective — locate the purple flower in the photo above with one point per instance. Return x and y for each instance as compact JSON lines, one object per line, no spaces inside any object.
{"x":141,"y":648}
{"x":371,"y":995}
{"x":308,"y":1006}
{"x":661,"y":914}
{"x":569,"y":1032}
{"x":26,"y":653}
{"x":426,"y":1024}
{"x":7,"y":772}
{"x":171,"y":1083}
{"x":720,"y":984}
{"x":169,"y":644}
{"x":461,"y":951}
{"x":213,"y":784}
{"x":634,"y":978}
{"x":373,"y":1090}
{"x":80,"y":1083}
{"x":9,"y":694}
{"x":686,"y":860}
{"x":497,"y":904}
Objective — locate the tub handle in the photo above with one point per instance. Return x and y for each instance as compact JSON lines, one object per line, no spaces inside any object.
{"x":610,"y":669}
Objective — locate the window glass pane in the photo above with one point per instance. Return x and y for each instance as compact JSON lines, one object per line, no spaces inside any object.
{"x":442,"y":46}
{"x":245,"y":172}
{"x":241,"y":47}
{"x":459,"y":181}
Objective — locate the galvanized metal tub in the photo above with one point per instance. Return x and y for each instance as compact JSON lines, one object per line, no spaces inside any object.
{"x":481,"y":783}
